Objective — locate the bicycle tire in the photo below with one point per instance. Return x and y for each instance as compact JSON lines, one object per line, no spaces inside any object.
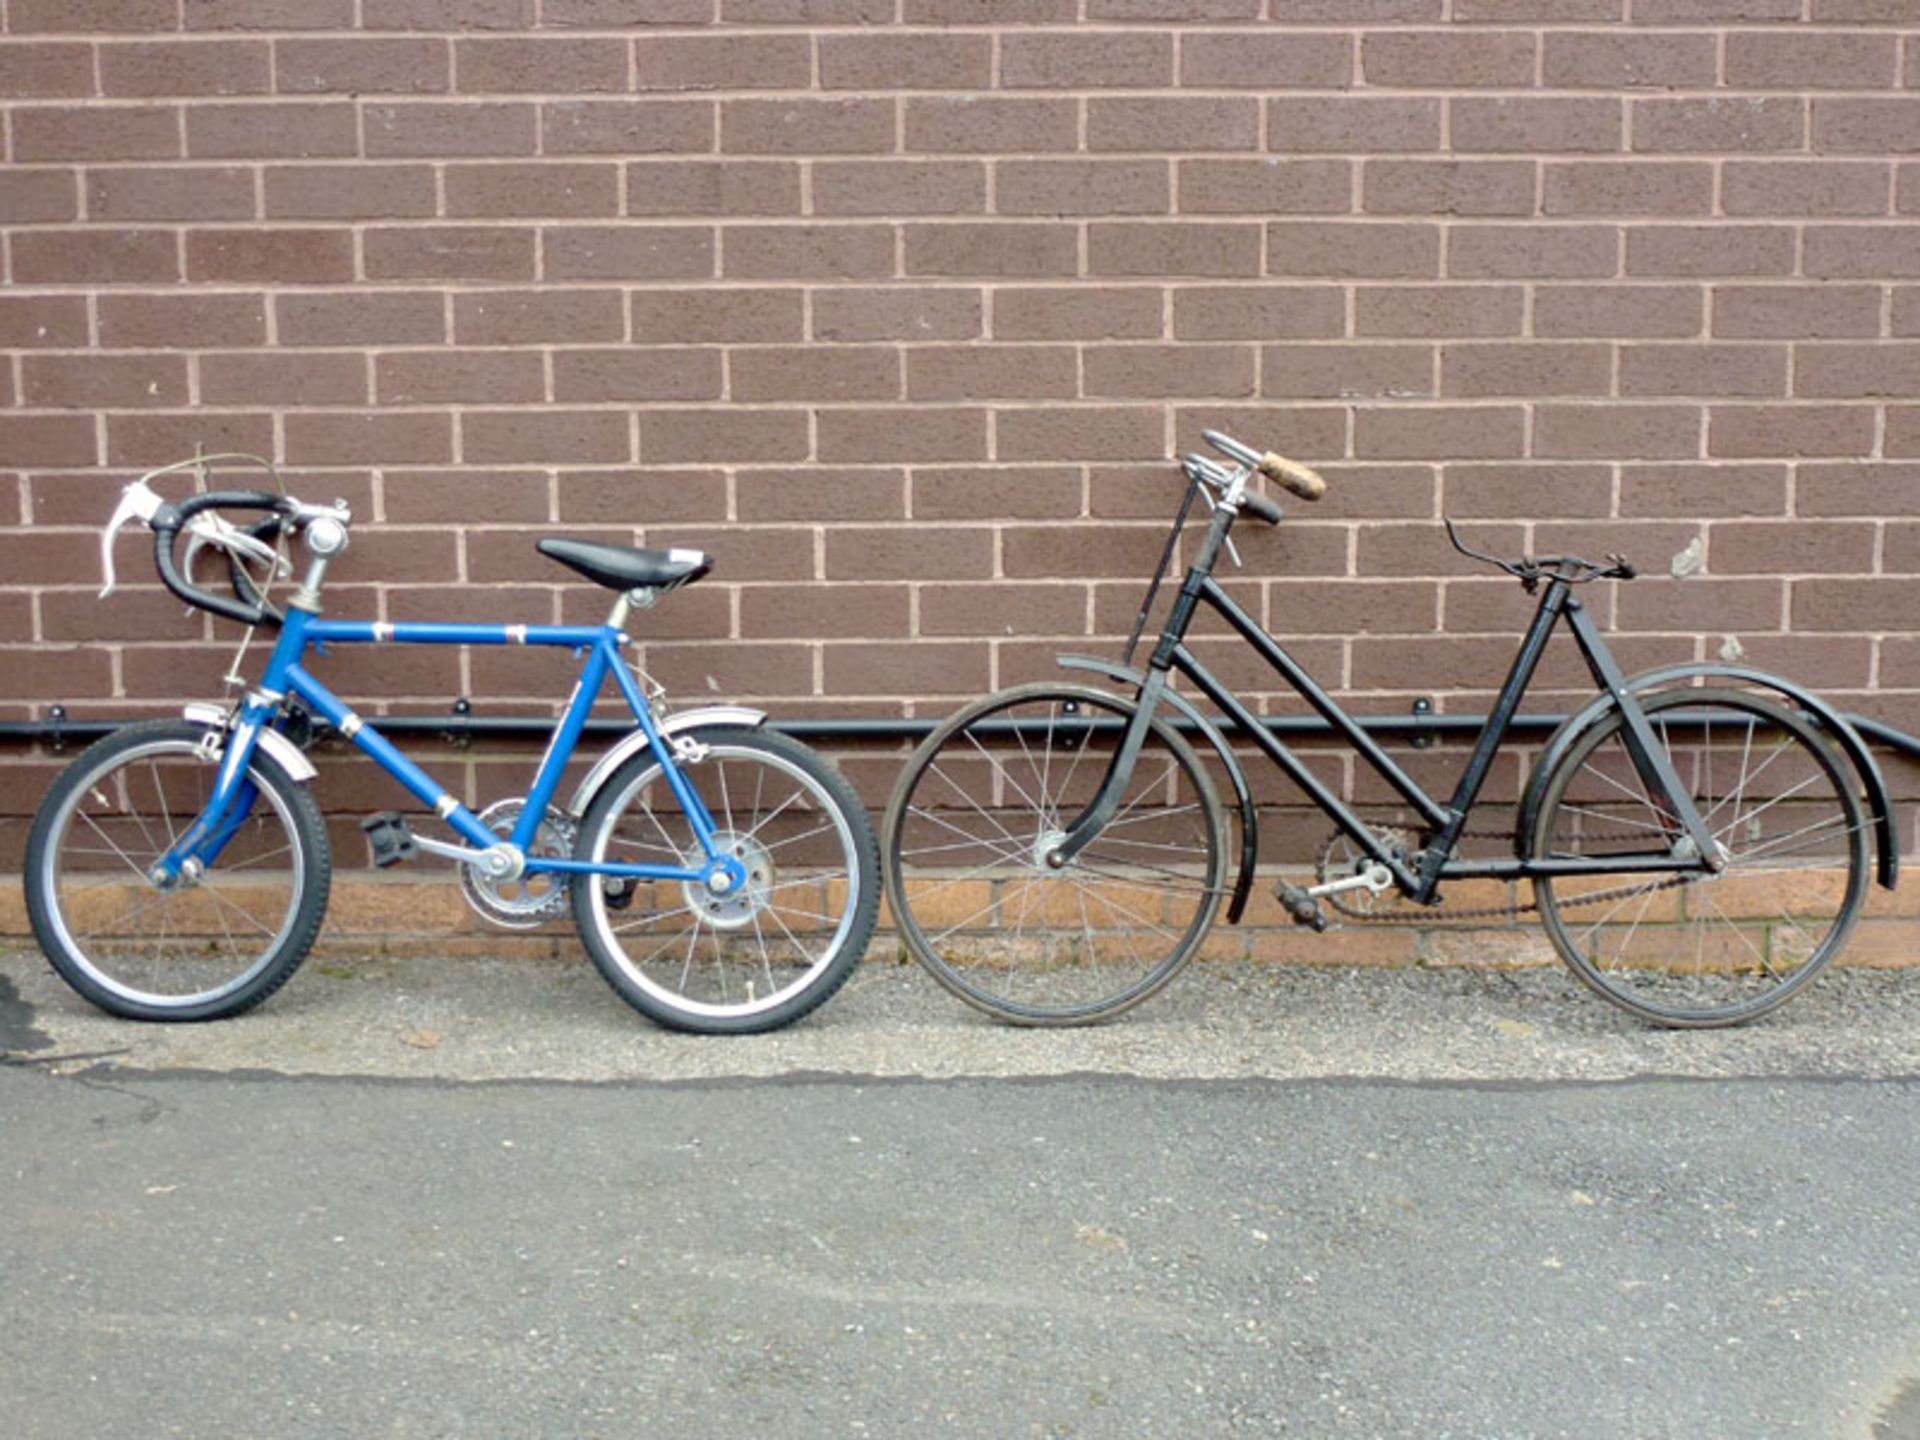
{"x":1172,"y":885}
{"x":1706,"y":951}
{"x":77,"y":893}
{"x":842,"y":870}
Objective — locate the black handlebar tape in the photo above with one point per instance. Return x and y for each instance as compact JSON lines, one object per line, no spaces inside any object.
{"x":166,"y":528}
{"x":1260,"y":507}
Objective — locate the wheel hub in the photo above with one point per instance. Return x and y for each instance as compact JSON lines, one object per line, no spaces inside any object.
{"x":719,"y":901}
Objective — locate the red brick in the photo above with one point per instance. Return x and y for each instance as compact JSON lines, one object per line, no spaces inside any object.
{"x":593,"y":495}
{"x":899,"y":187}
{"x":1005,"y":248}
{"x":1784,"y":60}
{"x":544,"y":66}
{"x":1803,"y":187}
{"x":1429,"y":433}
{"x":435,"y":130}
{"x":438,"y":377}
{"x":716,"y":316}
{"x":1182,"y":249}
{"x":1703,"y":369}
{"x":1241,"y":312}
{"x":70,"y":673}
{"x":1793,"y":312}
{"x":1346,"y":125}
{"x":896,"y":313}
{"x":903,"y":62}
{"x":545,"y":436}
{"x":713,"y":187}
{"x":1076,"y":313}
{"x":388,"y":317}
{"x":1536,"y":125}
{"x":52,"y":70}
{"x":448,"y":252}
{"x":730,"y":436}
{"x":116,"y":133}
{"x":1052,"y":552}
{"x":361,"y":66}
{"x":1173,"y":123}
{"x":1692,"y":492}
{"x":1448,"y":187}
{"x":1522,"y":492}
{"x":1598,"y":60}
{"x":1776,"y":430}
{"x":1084,"y":62}
{"x":27,"y":196}
{"x":1710,"y":250}
{"x":269,"y":14}
{"x":348,"y":192}
{"x":544,"y":189}
{"x":820,"y":495}
{"x":1003,"y":608}
{"x":1440,"y":59}
{"x":1906,"y":310}
{"x":1543,"y":252}
{"x":291,"y":129}
{"x":1356,"y":250}
{"x":1145,"y":371}
{"x":814,"y":372}
{"x":611,"y":14}
{"x":1080,"y":433}
{"x":1714,"y":124}
{"x":52,"y":321}
{"x":1082,"y":187}
{"x":33,"y":17}
{"x":72,"y":382}
{"x":1002,"y":492}
{"x":1266,"y":62}
{"x":1882,"y":603}
{"x":1791,"y":547}
{"x":1438,"y":311}
{"x":723,"y":62}
{"x":996,"y":125}
{"x":1615,"y":431}
{"x":1857,"y":372}
{"x":150,"y":438}
{"x":1525,"y":368}
{"x":983,"y":372}
{"x":1265,"y":187}
{"x":1336,"y":372}
{"x":809,"y":126}
{"x":251,"y":378}
{"x":1865,"y":251}
{"x":626,"y":374}
{"x":1874,"y":126}
{"x":809,"y":612}
{"x":1640,"y":311}
{"x":627,"y":252}
{"x":920,"y":433}
{"x":94,"y":257}
{"x":1632,"y":187}
{"x":185,"y":67}
{"x":370,"y":438}
{"x":814,"y":252}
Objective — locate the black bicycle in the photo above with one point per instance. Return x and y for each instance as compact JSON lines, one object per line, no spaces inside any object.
{"x":1697,"y":837}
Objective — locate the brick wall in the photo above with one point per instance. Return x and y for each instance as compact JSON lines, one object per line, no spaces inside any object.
{"x":900,"y":307}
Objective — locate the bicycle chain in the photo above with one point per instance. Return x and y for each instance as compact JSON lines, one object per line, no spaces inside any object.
{"x":1429,"y":915}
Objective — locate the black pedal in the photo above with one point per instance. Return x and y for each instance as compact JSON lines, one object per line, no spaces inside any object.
{"x":1301,"y":907}
{"x":389,"y":838}
{"x":618,"y":891}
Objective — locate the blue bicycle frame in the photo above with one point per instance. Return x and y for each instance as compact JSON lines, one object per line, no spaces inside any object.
{"x":233,"y":795}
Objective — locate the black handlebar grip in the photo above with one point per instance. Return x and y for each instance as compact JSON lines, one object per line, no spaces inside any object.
{"x":166,"y":528}
{"x":1260,"y":507}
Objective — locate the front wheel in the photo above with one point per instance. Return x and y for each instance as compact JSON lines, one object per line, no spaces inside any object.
{"x":1682,"y":948}
{"x":207,"y":946}
{"x":765,"y":954}
{"x":969,"y":835}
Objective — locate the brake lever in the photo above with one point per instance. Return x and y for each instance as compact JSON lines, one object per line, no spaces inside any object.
{"x":137,"y":501}
{"x":208,"y":528}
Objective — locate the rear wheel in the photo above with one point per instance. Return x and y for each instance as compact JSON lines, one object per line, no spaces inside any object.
{"x":208,"y":945}
{"x":981,"y":804}
{"x":1687,"y":949}
{"x":768,"y":952}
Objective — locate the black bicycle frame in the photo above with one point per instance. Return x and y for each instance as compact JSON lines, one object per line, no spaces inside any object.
{"x":1445,"y":822}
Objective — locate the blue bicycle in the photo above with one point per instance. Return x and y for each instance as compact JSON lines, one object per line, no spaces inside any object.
{"x":724,"y":877}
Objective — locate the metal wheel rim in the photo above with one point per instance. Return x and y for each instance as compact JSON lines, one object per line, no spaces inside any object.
{"x":52,"y":871}
{"x":822,"y":797}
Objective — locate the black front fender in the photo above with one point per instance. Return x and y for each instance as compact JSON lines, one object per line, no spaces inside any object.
{"x":1872,"y":783}
{"x":1242,"y":794}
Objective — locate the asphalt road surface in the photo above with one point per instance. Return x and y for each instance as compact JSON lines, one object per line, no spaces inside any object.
{"x":464,"y":1199}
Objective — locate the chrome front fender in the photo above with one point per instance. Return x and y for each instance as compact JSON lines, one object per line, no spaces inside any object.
{"x":290,"y":757}
{"x":634,"y":743}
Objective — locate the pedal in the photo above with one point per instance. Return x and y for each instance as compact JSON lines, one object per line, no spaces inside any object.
{"x":618,"y":891}
{"x":1301,"y":907}
{"x":389,"y":838}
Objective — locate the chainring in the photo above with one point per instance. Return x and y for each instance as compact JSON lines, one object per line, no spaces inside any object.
{"x":531,"y":900}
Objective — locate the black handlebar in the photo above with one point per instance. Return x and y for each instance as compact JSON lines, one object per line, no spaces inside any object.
{"x":1260,"y":507}
{"x":171,"y":519}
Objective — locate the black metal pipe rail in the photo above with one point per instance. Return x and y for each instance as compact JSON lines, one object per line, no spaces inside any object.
{"x":459,"y":725}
